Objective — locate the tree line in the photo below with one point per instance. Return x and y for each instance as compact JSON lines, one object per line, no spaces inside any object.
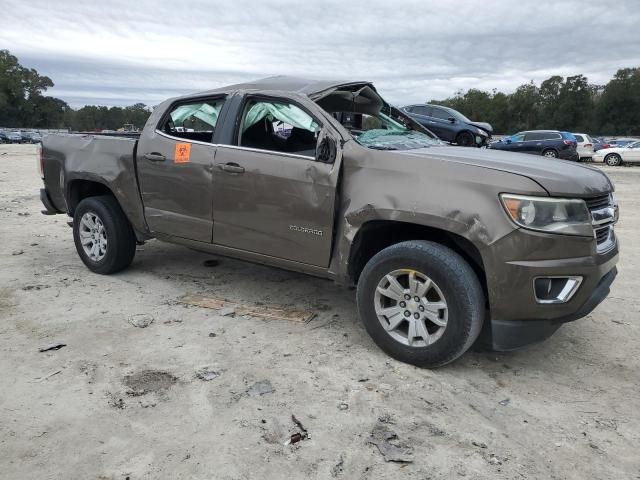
{"x":24,"y":105}
{"x":558,"y":103}
{"x":570,"y":103}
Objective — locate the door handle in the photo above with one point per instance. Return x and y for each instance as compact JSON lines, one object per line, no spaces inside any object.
{"x":155,"y":157}
{"x":231,"y":167}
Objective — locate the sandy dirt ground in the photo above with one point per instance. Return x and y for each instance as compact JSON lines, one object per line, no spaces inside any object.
{"x":196,"y":395}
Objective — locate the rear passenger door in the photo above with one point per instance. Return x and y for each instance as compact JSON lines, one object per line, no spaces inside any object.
{"x":175,"y":164}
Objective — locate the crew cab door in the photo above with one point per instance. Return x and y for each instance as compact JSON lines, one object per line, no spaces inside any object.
{"x":441,"y":125}
{"x":175,"y":165}
{"x":272,"y":194}
{"x":517,"y":143}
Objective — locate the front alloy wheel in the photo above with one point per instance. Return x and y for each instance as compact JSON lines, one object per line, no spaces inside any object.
{"x":411,"y":308}
{"x":421,"y":302}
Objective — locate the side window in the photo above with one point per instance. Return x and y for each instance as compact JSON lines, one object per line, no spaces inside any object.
{"x":193,"y":121}
{"x":420,"y":110}
{"x":532,"y":136}
{"x":579,"y":138}
{"x":278,"y":126}
{"x":440,"y":113}
{"x":518,"y":137}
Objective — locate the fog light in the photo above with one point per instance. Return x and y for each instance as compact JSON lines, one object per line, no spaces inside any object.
{"x":555,"y":289}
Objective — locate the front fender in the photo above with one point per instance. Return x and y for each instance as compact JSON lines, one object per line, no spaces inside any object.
{"x":437,"y":193}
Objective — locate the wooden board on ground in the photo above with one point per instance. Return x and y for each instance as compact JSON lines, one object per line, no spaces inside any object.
{"x":267,"y":312}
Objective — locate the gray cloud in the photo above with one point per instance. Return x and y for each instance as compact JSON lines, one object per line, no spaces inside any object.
{"x":145,"y":51}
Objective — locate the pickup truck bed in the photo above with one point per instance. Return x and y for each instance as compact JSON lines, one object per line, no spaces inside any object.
{"x":95,"y":159}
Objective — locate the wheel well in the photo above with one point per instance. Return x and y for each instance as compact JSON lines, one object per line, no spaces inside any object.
{"x":81,"y":189}
{"x":549,"y":149}
{"x":377,"y":235}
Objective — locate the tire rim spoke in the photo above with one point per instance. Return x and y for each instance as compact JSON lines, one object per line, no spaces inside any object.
{"x":411,"y":308}
{"x":93,"y":236}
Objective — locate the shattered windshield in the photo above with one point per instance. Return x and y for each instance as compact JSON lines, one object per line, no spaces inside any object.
{"x":372,"y":122}
{"x":387,"y":134}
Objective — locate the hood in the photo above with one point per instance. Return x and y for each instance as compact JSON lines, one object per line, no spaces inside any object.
{"x":560,"y":178}
{"x":483,"y":125}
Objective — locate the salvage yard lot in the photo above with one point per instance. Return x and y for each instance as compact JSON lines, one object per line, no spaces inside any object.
{"x":195,"y":394}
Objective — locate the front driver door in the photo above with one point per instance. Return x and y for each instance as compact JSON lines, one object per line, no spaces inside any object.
{"x":270,"y":194}
{"x":175,"y":164}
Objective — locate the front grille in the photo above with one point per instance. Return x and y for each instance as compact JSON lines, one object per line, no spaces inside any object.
{"x":596,"y":203}
{"x":602,"y":227}
{"x":602,"y":235}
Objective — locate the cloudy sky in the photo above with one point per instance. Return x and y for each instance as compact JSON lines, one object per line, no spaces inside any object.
{"x":123,"y":52}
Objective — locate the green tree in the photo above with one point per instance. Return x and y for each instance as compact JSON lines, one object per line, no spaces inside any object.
{"x":618,"y":108}
{"x":21,"y":99}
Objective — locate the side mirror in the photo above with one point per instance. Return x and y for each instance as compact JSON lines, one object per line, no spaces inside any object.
{"x":507,"y":140}
{"x":326,"y":150}
{"x":451,"y":120}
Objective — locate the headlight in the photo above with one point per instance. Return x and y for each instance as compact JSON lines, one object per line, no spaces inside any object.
{"x":479,"y":131}
{"x":553,"y":215}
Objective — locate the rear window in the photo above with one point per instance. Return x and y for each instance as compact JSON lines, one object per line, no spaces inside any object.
{"x":534,"y":136}
{"x":193,"y":121}
{"x":579,"y":138}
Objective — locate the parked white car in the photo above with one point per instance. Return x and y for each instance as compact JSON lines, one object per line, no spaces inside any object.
{"x":585,"y":145}
{"x":618,"y":155}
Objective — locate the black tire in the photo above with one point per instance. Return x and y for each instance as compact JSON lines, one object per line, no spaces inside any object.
{"x":465,"y":139}
{"x":613,"y":160}
{"x":458,"y":283}
{"x":550,"y":152}
{"x":121,"y":240}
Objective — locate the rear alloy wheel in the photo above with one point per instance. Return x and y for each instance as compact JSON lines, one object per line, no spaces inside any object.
{"x":613,"y":160}
{"x":421,"y":302}
{"x":550,"y":154}
{"x":104,"y":238}
{"x":465,"y":139}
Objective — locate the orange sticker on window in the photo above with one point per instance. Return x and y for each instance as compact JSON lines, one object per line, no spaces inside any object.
{"x":183,"y":152}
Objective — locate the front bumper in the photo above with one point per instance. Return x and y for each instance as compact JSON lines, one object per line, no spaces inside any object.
{"x":513,"y":335}
{"x":516,"y":318}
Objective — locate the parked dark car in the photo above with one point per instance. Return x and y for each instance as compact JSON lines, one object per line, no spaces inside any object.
{"x":31,"y":137}
{"x":450,"y":125}
{"x":548,"y":143}
{"x":14,"y":137}
{"x":3,"y":137}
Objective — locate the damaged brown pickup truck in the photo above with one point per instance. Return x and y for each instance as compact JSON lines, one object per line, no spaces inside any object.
{"x":444,"y":243}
